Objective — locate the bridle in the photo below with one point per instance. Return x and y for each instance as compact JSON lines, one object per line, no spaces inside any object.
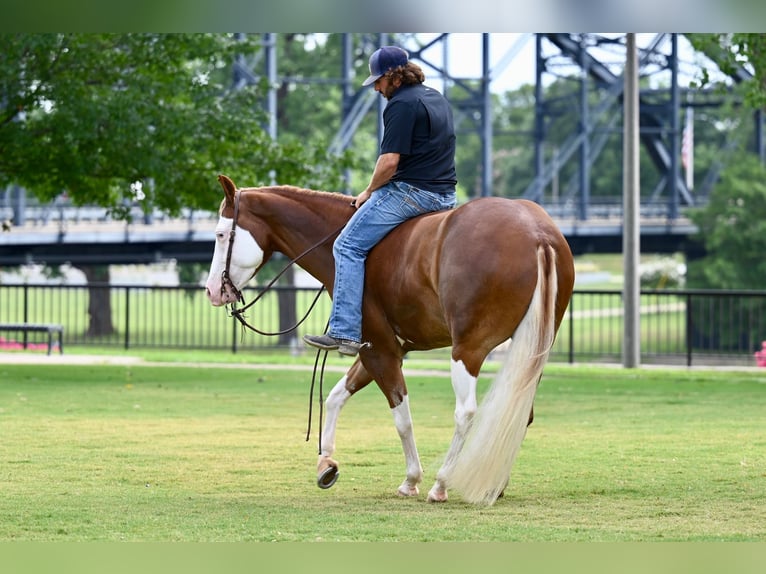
{"x":225,"y":278}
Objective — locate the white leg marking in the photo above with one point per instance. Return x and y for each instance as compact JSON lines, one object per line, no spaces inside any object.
{"x":334,"y":403}
{"x":403,"y":424}
{"x":464,"y":385}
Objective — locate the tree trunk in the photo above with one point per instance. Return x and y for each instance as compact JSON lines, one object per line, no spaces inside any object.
{"x":99,"y":300}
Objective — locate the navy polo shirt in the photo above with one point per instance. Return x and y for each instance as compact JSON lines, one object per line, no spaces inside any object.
{"x":417,"y":124}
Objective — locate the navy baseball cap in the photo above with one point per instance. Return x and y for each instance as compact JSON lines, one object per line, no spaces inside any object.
{"x":385,"y":59}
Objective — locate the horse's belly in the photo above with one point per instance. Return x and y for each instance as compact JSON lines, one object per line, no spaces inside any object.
{"x":419,"y":327}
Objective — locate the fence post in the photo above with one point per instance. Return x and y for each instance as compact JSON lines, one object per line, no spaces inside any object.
{"x":26,"y":312}
{"x":127,"y":318}
{"x":689,"y":334}
{"x":571,"y":331}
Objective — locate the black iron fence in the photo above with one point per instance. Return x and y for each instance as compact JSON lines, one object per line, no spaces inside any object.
{"x":683,"y":327}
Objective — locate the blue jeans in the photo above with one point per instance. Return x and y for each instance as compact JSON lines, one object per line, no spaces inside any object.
{"x":388,"y":206}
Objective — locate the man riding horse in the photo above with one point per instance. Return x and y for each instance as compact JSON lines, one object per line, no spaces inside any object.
{"x":414,"y":174}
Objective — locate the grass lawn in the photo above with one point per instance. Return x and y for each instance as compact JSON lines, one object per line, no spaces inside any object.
{"x":205,"y":453}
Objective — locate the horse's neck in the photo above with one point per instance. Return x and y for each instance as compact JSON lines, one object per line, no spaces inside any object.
{"x":305,"y":225}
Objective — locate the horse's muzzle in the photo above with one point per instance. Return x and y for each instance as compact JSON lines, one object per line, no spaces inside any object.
{"x":222,"y":295}
{"x":214,"y":297}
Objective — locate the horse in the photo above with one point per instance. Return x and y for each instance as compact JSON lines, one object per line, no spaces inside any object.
{"x":489,"y":272}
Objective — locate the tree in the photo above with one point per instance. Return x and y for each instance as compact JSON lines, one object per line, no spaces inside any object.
{"x":733,"y":227}
{"x":99,"y":303}
{"x":732,"y":224}
{"x":90,"y":114}
{"x":732,"y":52}
{"x":101,"y":116}
{"x":311,"y":99}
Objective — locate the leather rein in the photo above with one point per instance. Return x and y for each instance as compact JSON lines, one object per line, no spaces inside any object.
{"x":238,"y":313}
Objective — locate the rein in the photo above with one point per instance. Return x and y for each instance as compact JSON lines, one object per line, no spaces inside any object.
{"x":238,"y":313}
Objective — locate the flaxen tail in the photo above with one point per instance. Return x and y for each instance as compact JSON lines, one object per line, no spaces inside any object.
{"x":482,"y":468}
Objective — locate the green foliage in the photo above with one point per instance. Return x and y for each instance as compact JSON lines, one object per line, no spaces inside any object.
{"x":731,"y":52}
{"x":309,"y":107}
{"x":89,"y":114}
{"x":732,"y":226}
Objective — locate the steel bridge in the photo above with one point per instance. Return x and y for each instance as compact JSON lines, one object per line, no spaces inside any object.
{"x":58,"y":232}
{"x":87,"y":236}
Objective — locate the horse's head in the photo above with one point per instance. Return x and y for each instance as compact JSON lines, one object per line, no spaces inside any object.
{"x":234,"y":261}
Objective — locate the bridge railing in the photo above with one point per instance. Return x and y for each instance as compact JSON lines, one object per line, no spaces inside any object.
{"x":63,"y":211}
{"x":678,"y":327}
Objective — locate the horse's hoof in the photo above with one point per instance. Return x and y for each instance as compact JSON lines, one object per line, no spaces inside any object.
{"x":435,"y":495}
{"x":328,"y":477}
{"x":407,"y":491}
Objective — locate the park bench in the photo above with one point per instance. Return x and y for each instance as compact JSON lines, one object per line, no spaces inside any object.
{"x":760,"y":356}
{"x":50,"y":329}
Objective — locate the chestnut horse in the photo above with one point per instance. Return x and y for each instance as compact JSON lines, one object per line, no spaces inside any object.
{"x":471,"y":278}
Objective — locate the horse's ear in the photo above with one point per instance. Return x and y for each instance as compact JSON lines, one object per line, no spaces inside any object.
{"x":229,"y":189}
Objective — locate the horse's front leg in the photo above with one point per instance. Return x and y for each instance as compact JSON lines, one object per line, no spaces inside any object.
{"x":356,"y":379}
{"x":327,"y":467}
{"x":386,"y":368}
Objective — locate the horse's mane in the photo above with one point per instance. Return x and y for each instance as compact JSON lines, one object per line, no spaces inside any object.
{"x":294,"y":191}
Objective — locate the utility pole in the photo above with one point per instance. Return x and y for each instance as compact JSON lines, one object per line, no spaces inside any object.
{"x":631,"y":233}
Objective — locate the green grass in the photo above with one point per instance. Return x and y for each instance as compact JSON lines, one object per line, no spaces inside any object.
{"x":204,"y":453}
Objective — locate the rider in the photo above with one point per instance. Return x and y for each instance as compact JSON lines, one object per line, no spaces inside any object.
{"x":414,"y":174}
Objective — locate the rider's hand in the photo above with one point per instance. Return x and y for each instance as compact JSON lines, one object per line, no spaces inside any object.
{"x":361,"y":198}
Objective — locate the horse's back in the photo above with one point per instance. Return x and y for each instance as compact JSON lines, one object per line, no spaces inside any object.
{"x":487,"y":235}
{"x":497,"y":219}
{"x":450,"y":271}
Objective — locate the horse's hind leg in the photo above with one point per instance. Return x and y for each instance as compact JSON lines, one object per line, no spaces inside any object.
{"x":464,"y":385}
{"x":357,"y":378}
{"x":403,"y":424}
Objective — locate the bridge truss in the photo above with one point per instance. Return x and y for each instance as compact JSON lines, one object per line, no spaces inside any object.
{"x":597,"y":61}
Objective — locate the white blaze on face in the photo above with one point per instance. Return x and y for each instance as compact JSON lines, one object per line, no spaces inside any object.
{"x":246,"y":256}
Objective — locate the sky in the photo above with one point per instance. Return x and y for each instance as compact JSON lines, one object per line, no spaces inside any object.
{"x":512,"y":58}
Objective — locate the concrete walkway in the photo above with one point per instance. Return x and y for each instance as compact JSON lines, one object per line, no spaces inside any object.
{"x":36,"y":358}
{"x":440,"y":367}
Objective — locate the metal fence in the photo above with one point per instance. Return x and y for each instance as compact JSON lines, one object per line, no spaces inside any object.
{"x":678,"y":327}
